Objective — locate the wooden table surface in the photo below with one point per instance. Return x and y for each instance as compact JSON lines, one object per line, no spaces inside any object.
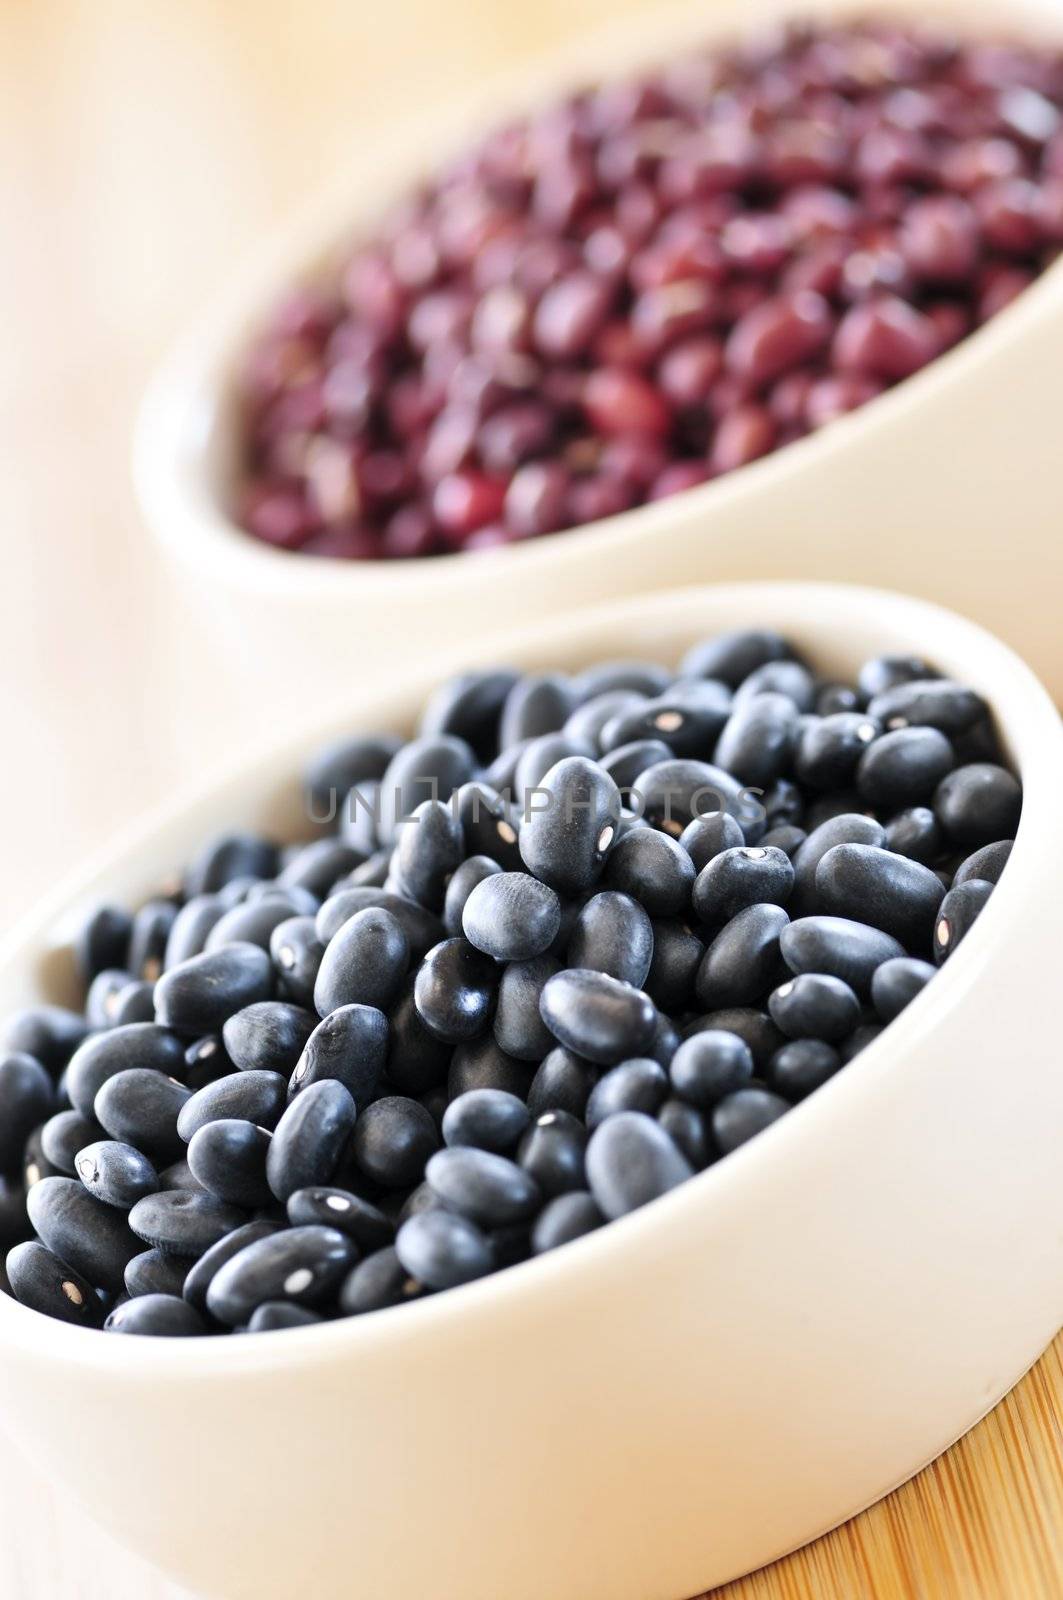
{"x":143,"y":149}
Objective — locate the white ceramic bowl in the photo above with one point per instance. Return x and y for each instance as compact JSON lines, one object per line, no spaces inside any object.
{"x":947,"y":486}
{"x":694,"y":1390}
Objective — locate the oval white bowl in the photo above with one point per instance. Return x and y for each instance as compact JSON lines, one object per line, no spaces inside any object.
{"x":947,"y":486}
{"x":694,"y":1390}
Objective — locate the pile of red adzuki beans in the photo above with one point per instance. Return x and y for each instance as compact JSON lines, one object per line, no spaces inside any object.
{"x":651,"y":283}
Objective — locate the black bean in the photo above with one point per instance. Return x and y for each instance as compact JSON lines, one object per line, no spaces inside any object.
{"x":324,"y":1207}
{"x":686,"y":1127}
{"x":422,"y":928}
{"x":230,"y":856}
{"x":563,"y":1083}
{"x":183,"y":1222}
{"x":815,"y":1005}
{"x":102,"y":941}
{"x":156,"y":1315}
{"x":915,"y":833}
{"x":612,"y":934}
{"x":828,"y":749}
{"x":687,"y":717}
{"x":430,"y":768}
{"x":472,"y":871}
{"x":350,"y":1045}
{"x":987,"y":863}
{"x":155,"y":1272}
{"x":229,"y":1159}
{"x":707,"y":837}
{"x":567,"y":1217}
{"x":191,"y":927}
{"x":200,"y":995}
{"x":63,"y":1135}
{"x":571,"y":825}
{"x":115,"y":1173}
{"x":784,"y":836}
{"x":205,"y":1062}
{"x":538,"y":703}
{"x":890,"y":892}
{"x":92,"y":1238}
{"x":731,"y":657}
{"x":741,"y":961}
{"x":738,"y":1116}
{"x":625,"y":763}
{"x":837,"y":697}
{"x":758,"y":738}
{"x":416,"y":1059}
{"x":27,"y":1098}
{"x":788,"y":678}
{"x":848,"y":949}
{"x":632,"y":1160}
{"x":673,"y":794}
{"x":268,"y":1036}
{"x":258,"y":1097}
{"x":490,"y":823}
{"x":455,"y":989}
{"x":393,"y":1140}
{"x":903,"y":768}
{"x":677,"y":955}
{"x":336,"y":770}
{"x":652,"y":868}
{"x":518,"y":1024}
{"x":512,"y":917}
{"x":866,"y":1034}
{"x":469,"y":706}
{"x":601,"y":1019}
{"x":802,"y":1066}
{"x":483,"y":1185}
{"x":957,"y":915}
{"x":882,"y":673}
{"x":978,"y":804}
{"x":486,"y":1119}
{"x":296,"y":953}
{"x":149,"y":937}
{"x":753,"y":1026}
{"x":138,"y":1044}
{"x":735,"y":879}
{"x":50,"y":1034}
{"x":442,"y":1249}
{"x":709,"y":1065}
{"x":539,"y":757}
{"x":552,"y":1151}
{"x":178,"y":1175}
{"x":41,"y":1280}
{"x":585,"y":725}
{"x":896,"y":984}
{"x":101,"y":1002}
{"x":309,"y":1138}
{"x":301,"y":1266}
{"x":273,"y":1315}
{"x":364,"y":963}
{"x":848,"y":827}
{"x":639,"y":1085}
{"x":134,"y":1003}
{"x":482,"y":1064}
{"x":200,"y":1273}
{"x":141,"y":1107}
{"x":431,"y":845}
{"x":379,"y":1281}
{"x":937,"y":703}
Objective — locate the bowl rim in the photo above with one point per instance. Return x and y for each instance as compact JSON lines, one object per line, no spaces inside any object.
{"x":187,"y":408}
{"x":1032,"y":728}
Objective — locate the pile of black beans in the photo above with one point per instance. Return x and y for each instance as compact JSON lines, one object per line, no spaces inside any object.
{"x":576,"y":940}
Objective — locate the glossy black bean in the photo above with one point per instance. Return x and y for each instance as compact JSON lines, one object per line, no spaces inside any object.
{"x":200,"y":994}
{"x":470,"y":707}
{"x":846,"y":948}
{"x":687,"y":717}
{"x":373,"y":872}
{"x":227,"y":857}
{"x":665,"y":1042}
{"x":275,"y":1315}
{"x":631,"y":1160}
{"x":191,"y":927}
{"x":626,"y":763}
{"x":735,"y":879}
{"x":116,"y":1173}
{"x":802,"y":1066}
{"x":710,"y":1064}
{"x":251,"y":923}
{"x":784,"y":836}
{"x":959,"y":910}
{"x":731,"y":657}
{"x":757,"y":739}
{"x":430,"y":846}
{"x":379,"y":1281}
{"x":978,"y":804}
{"x":205,"y":1062}
{"x":140,"y":1107}
{"x":50,"y":1034}
{"x":200,"y":1273}
{"x":164,"y":1316}
{"x":567,"y":1217}
{"x":518,"y":1024}
{"x":41,"y":1280}
{"x":149,"y":937}
{"x":416,"y":1060}
{"x":309,"y":1138}
{"x":258,"y":1097}
{"x":688,"y":1130}
{"x":586,"y":724}
{"x":228,"y":1158}
{"x":103,"y":1055}
{"x":538,"y":703}
{"x":570,"y":825}
{"x":101,"y":1002}
{"x":986,"y":863}
{"x":490,"y":823}
{"x":342,"y":766}
{"x":155,"y":1272}
{"x":326,"y":1207}
{"x":677,"y":955}
{"x":752,"y":1025}
{"x":483,"y":1064}
{"x":596,"y":1016}
{"x":848,"y":827}
{"x":538,"y":757}
{"x":613,"y":934}
{"x":364,"y":963}
{"x":707,"y":837}
{"x":903,"y":768}
{"x":553,"y":1153}
{"x":102,"y":941}
{"x":639,"y":1085}
{"x":896,"y":984}
{"x":672,"y":794}
{"x":135,"y":1003}
{"x":789,"y":678}
{"x":915,"y":833}
{"x":743,"y":958}
{"x":63,"y":1135}
{"x":393,"y":1141}
{"x":882,"y":673}
{"x":296,"y":953}
{"x":642,"y":677}
{"x":442,"y":1249}
{"x":27,"y":1098}
{"x":486,"y":1119}
{"x":300,"y":1266}
{"x":92,"y":1238}
{"x":563,"y":1082}
{"x":652,"y":868}
{"x":183,"y":1222}
{"x":890,"y":892}
{"x":350,"y":1045}
{"x":828,"y":749}
{"x":472,"y":871}
{"x":511,"y":916}
{"x":484,"y":1186}
{"x":422,"y":928}
{"x":834,"y":697}
{"x":429,"y":768}
{"x":455,"y":989}
{"x":178,"y":1175}
{"x":815,"y":1005}
{"x":934,"y":703}
{"x":737,"y":1117}
{"x":268,"y":1037}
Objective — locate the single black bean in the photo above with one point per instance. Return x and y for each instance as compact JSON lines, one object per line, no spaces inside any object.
{"x":743,"y":958}
{"x":455,"y":989}
{"x":200,"y":1273}
{"x":758,"y":738}
{"x":149,"y":938}
{"x":686,"y":1127}
{"x":518,"y":1024}
{"x":625,"y":763}
{"x":639,"y":1085}
{"x":41,"y":1280}
{"x":101,"y":1002}
{"x":538,"y":703}
{"x":490,"y":823}
{"x":709,"y":1065}
{"x":632,"y":1160}
{"x":201,"y":994}
{"x":268,"y":1037}
{"x":158,"y":1316}
{"x":915,"y":833}
{"x":571,"y":825}
{"x":116,"y":1173}
{"x":789,"y":678}
{"x":978,"y":804}
{"x":737,"y":1117}
{"x":472,"y":871}
{"x":393,"y":1140}
{"x":63,"y":1135}
{"x":848,"y":949}
{"x":27,"y":1098}
{"x":753,"y":1026}
{"x":486,"y":1119}
{"x":155,"y":1272}
{"x":296,"y":953}
{"x":601,"y":1019}
{"x":379,"y":1281}
{"x":986,"y":863}
{"x":258,"y":1097}
{"x":309,"y":1138}
{"x":191,"y":927}
{"x":834,"y":697}
{"x":302,"y":1266}
{"x":92,"y":1238}
{"x":325,"y":1207}
{"x":562,"y":1083}
{"x":848,"y":827}
{"x":442,"y":1249}
{"x":829,"y":749}
{"x":14,"y":1223}
{"x":641,"y":677}
{"x":903,"y":768}
{"x":229,"y":1159}
{"x":585,"y":725}
{"x":422,"y":928}
{"x":178,"y":1175}
{"x":687,"y":717}
{"x":431,"y":845}
{"x":104,"y":1055}
{"x":935,"y":703}
{"x":337,"y":769}
{"x":273,"y":1315}
{"x":228,"y":857}
{"x":364,"y":963}
{"x":511,"y":916}
{"x":429,"y":768}
{"x":538,"y":757}
{"x":707,"y":837}
{"x":350,"y":1045}
{"x":896,"y":984}
{"x":183,"y":1222}
{"x":141,"y":1107}
{"x":959,"y":910}
{"x":552,"y":1152}
{"x":815,"y":1005}
{"x":102,"y":941}
{"x":483,"y":1064}
{"x":612,"y":934}
{"x":134,"y":1003}
{"x":890,"y":892}
{"x":731,"y":657}
{"x":882,"y":673}
{"x":205,"y":1062}
{"x":672,"y":794}
{"x":483,"y":1185}
{"x":802,"y":1066}
{"x":567,"y":1217}
{"x":735,"y":879}
{"x":470,"y":707}
{"x":50,"y":1034}
{"x":654,"y":869}
{"x":677,"y":955}
{"x":313,"y":869}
